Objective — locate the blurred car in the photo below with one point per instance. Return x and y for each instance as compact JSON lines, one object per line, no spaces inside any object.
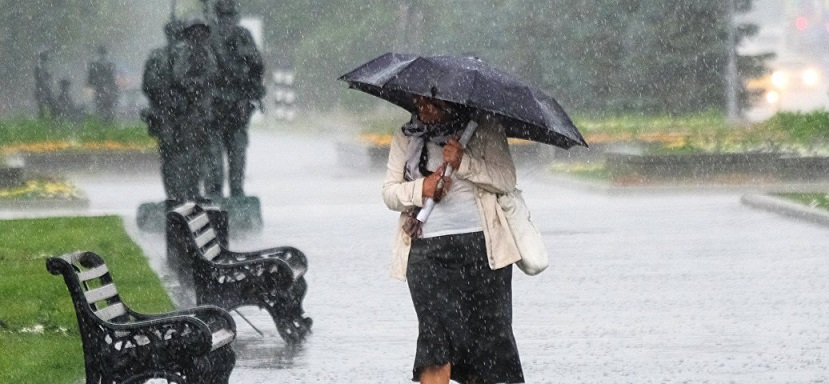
{"x":791,"y":85}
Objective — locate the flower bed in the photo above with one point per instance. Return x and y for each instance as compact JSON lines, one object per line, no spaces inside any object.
{"x":790,"y":147}
{"x":45,"y":193}
{"x":58,"y":146}
{"x":45,"y":146}
{"x":43,"y":188}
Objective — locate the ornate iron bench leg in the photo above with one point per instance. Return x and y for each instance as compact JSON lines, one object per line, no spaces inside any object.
{"x":285,"y":307}
{"x":213,"y":369}
{"x":293,"y":329}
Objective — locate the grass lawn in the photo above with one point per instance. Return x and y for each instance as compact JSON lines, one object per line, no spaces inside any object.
{"x":39,"y":335}
{"x":814,"y":200}
{"x":26,"y":134}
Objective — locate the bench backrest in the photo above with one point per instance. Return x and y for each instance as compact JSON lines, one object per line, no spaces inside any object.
{"x":202,"y":236}
{"x":91,"y":286}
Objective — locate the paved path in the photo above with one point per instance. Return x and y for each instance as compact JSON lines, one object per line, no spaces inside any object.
{"x":656,"y":288}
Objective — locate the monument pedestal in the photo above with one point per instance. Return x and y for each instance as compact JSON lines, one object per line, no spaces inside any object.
{"x":244,"y":214}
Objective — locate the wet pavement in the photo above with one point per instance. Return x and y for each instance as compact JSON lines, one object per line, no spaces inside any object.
{"x":643,"y":288}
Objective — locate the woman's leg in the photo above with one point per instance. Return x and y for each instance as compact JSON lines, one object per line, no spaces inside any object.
{"x":438,"y":374}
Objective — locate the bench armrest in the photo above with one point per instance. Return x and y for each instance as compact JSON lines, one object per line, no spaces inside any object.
{"x":268,"y":253}
{"x":213,"y":316}
{"x":289,"y":257}
{"x":259,"y":267}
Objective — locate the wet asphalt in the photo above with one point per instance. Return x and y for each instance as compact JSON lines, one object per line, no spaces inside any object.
{"x":675,"y":287}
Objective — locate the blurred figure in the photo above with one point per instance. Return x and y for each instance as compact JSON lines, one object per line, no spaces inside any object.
{"x":101,"y":78}
{"x":65,"y":107}
{"x":238,"y":89}
{"x":43,"y":86}
{"x":165,"y":104}
{"x":194,"y":72}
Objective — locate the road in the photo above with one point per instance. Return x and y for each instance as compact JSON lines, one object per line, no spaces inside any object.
{"x":643,"y":288}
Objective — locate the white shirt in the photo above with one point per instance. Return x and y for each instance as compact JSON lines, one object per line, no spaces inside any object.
{"x":457,"y":212}
{"x":487,"y":164}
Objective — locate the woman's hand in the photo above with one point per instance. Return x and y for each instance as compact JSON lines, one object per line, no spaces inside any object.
{"x":431,"y":184}
{"x":453,"y":153}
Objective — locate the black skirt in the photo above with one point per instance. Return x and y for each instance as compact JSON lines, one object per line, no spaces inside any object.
{"x":464,"y":310}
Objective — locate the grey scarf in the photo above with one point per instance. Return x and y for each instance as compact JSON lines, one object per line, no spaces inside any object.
{"x":419,"y":134}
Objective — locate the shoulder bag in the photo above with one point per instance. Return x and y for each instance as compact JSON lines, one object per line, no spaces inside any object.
{"x":534,"y":257}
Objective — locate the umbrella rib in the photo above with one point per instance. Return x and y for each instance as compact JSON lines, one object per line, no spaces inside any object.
{"x":383,"y":75}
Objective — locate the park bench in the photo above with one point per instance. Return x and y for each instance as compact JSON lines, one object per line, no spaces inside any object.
{"x":272,"y":279}
{"x":124,"y":346}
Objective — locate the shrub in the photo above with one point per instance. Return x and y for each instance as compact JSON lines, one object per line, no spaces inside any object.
{"x":801,"y":127}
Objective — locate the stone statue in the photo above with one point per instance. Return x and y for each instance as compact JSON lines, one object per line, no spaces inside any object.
{"x":238,"y":89}
{"x":65,"y":107}
{"x":194,"y":71}
{"x":166,"y":103}
{"x":43,"y":86}
{"x":101,"y":78}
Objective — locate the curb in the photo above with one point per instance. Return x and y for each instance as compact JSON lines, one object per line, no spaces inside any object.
{"x":786,"y":208}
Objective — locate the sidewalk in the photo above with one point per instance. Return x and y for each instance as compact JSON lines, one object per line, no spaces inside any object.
{"x":759,"y":196}
{"x":643,"y":288}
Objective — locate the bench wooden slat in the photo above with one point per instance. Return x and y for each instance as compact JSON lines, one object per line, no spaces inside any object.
{"x":111,"y":311}
{"x":205,"y":237}
{"x":100,"y":293}
{"x":93,"y":273}
{"x":185,"y":209}
{"x":221,"y":338}
{"x":198,"y":222}
{"x":211,"y":252}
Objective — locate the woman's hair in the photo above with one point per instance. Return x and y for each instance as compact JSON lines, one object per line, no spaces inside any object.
{"x":453,"y":109}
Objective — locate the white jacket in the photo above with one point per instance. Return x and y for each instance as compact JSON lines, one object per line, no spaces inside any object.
{"x":488,"y":164}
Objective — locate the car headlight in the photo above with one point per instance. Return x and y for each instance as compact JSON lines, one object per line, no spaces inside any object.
{"x":810,"y":77}
{"x":779,"y":79}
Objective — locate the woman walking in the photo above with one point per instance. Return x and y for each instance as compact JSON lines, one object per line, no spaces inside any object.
{"x":458,"y":264}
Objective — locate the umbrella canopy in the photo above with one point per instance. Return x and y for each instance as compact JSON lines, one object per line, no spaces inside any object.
{"x":532,"y":114}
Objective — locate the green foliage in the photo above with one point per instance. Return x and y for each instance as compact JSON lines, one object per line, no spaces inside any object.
{"x":594,"y":56}
{"x":27,"y":130}
{"x":814,"y":200}
{"x":634,"y":124}
{"x":711,"y":132}
{"x":40,"y":336}
{"x":323,"y":40}
{"x":801,"y":127}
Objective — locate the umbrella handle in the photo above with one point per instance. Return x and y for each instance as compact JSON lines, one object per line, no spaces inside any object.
{"x":430,"y":202}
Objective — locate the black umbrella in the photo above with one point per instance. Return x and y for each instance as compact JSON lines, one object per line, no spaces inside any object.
{"x":532,"y":114}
